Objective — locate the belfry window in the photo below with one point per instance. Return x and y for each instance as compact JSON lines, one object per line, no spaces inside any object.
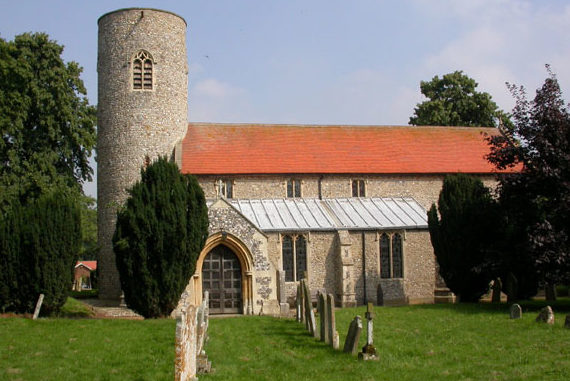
{"x":143,"y":71}
{"x":294,"y":254}
{"x":391,"y":255}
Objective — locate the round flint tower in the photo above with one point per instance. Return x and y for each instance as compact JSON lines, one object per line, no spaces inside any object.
{"x":142,"y":111}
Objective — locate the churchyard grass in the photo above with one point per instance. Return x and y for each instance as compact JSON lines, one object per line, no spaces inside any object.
{"x":432,"y":342}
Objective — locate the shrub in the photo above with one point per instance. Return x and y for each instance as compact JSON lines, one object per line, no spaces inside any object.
{"x":463,"y":235}
{"x":159,"y":234}
{"x":39,"y":244}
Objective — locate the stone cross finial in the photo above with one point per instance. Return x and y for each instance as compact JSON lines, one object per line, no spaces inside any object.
{"x":369,"y":350}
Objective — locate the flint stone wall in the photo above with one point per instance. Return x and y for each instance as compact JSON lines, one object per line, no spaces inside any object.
{"x":135,"y":124}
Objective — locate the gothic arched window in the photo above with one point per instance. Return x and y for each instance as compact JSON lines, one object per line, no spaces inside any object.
{"x":391,"y":256}
{"x":385,"y":262}
{"x":294,"y":255}
{"x":143,"y":71}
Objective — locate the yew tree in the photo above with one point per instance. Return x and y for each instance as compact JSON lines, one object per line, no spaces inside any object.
{"x":463,"y":228}
{"x":159,"y":234}
{"x":454,"y":101}
{"x":536,"y":200}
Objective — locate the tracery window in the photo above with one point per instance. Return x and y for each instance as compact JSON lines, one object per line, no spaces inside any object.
{"x":293,"y":188}
{"x":143,"y":71}
{"x":391,"y":256}
{"x":358,"y":189}
{"x":294,"y":255}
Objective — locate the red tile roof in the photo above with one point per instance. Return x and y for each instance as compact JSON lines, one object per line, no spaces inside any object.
{"x":91,"y":265}
{"x":214,"y":148}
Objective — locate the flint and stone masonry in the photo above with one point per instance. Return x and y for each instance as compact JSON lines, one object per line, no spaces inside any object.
{"x":135,"y":126}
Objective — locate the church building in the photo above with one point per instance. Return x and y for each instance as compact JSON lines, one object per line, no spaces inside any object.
{"x":343,"y":206}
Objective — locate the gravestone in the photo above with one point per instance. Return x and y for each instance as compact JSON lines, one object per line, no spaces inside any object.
{"x":310,"y":314}
{"x":38,"y":307}
{"x":516,"y":311}
{"x":302,"y":298}
{"x":331,"y":327}
{"x":567,"y":321}
{"x":351,"y":342}
{"x":497,"y":287}
{"x":369,"y":350}
{"x":380,"y":295}
{"x":545,"y":316}
{"x":322,"y":307}
{"x":299,"y":304}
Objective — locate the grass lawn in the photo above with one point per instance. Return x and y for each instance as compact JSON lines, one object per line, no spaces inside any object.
{"x":433,"y":342}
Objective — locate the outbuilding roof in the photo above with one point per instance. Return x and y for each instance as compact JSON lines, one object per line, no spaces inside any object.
{"x":90,"y":265}
{"x":215,"y":148}
{"x":297,"y":214}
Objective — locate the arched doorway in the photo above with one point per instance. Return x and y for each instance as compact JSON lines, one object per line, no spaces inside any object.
{"x":222,"y":278}
{"x":226,"y":241}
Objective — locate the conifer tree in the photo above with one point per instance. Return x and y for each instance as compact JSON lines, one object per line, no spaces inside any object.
{"x":159,"y":234}
{"x":463,"y":235}
{"x":40,"y":244}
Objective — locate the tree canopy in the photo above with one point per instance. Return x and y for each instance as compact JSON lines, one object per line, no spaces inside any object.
{"x":537,"y":200}
{"x":159,"y":234}
{"x":454,"y":101}
{"x":47,"y":126}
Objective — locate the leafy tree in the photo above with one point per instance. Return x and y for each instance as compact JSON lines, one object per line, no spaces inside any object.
{"x":462,"y":235}
{"x":537,"y":199}
{"x":159,"y":235}
{"x":453,"y":101}
{"x":47,"y":127}
{"x":39,"y":245}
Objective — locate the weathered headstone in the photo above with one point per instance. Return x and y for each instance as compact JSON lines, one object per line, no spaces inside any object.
{"x":567,"y":321}
{"x":299,"y":304}
{"x":310,"y":314}
{"x":351,"y":342}
{"x":331,"y":327}
{"x":516,"y":311}
{"x":497,"y":287}
{"x":380,"y":295}
{"x":302,"y":303}
{"x":322,"y":307}
{"x":369,"y":350}
{"x":38,"y":307}
{"x":335,"y":340}
{"x":545,"y":316}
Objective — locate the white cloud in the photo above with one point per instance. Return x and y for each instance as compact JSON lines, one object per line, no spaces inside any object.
{"x":501,"y":41}
{"x":212,"y":100}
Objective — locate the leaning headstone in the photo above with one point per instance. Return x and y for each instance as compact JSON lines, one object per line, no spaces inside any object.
{"x":38,"y":307}
{"x":567,"y":321}
{"x":310,"y":314}
{"x":516,"y":311}
{"x":545,"y":316}
{"x":497,"y":287}
{"x":298,"y":304}
{"x":331,"y":327}
{"x":322,"y":306}
{"x":369,"y":350}
{"x":301,"y":302}
{"x":351,"y":342}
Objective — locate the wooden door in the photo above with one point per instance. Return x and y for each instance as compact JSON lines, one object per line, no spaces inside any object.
{"x":221,"y":277}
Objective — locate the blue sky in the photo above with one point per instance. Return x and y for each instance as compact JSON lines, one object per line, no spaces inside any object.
{"x":327,"y":61}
